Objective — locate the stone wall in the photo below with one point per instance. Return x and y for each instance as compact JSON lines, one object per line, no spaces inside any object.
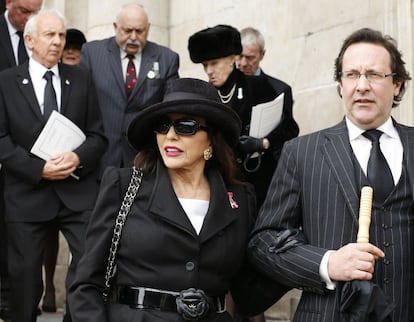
{"x":302,"y":40}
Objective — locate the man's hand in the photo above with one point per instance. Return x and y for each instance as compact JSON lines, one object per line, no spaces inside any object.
{"x":60,"y":166}
{"x":353,"y":262}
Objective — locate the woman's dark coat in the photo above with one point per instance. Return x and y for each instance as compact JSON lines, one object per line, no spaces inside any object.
{"x":160,"y":249}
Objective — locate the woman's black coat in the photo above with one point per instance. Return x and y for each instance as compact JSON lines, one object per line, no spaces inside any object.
{"x":160,"y":249}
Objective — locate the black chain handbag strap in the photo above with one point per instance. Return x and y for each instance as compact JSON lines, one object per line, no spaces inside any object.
{"x":129,"y":197}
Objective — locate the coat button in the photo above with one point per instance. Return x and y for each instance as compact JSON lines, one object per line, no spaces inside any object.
{"x":189,"y":266}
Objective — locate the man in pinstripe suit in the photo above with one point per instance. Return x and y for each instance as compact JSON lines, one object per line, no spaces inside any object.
{"x":316,"y":189}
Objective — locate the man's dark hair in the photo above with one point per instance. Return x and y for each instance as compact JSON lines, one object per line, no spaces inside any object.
{"x":367,"y":35}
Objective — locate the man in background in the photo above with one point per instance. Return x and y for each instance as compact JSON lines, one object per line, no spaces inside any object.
{"x":12,"y":52}
{"x":59,"y":189}
{"x":248,"y":62}
{"x":130,"y":73}
{"x":70,"y":56}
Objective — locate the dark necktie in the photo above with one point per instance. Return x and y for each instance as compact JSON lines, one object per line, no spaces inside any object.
{"x":378,"y":172}
{"x":21,"y":49}
{"x":50,"y":102}
{"x":131,"y":75}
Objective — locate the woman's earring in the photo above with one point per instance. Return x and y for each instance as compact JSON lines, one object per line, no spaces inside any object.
{"x":208,"y":153}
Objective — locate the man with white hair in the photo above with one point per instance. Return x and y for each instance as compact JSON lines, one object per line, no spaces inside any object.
{"x":60,"y":190}
{"x":248,"y":62}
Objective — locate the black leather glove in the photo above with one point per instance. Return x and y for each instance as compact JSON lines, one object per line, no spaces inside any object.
{"x":249,"y":144}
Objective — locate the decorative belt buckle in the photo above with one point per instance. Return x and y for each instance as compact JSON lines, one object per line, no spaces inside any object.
{"x":192,"y":304}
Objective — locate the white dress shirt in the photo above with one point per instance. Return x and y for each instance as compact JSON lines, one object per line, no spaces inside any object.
{"x":124,"y":62}
{"x":196,"y":211}
{"x":14,"y":38}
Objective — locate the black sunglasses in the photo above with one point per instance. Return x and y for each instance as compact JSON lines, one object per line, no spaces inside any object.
{"x":185,"y":127}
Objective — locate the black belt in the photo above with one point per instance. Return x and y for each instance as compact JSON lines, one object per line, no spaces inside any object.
{"x":192,"y":304}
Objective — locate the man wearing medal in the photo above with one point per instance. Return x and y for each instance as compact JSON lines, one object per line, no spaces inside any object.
{"x":130,"y":73}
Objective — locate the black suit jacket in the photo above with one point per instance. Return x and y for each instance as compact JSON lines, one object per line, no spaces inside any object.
{"x":28,"y":197}
{"x":7,"y":58}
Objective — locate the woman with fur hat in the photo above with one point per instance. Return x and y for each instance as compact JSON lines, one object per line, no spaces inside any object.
{"x":180,"y":238}
{"x":216,"y":49}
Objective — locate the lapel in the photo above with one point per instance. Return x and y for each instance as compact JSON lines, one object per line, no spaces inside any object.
{"x":220,"y":213}
{"x":24,"y":83}
{"x":164,"y":204}
{"x":66,"y":81}
{"x":407,"y":138}
{"x":338,"y":153}
{"x":115,"y":65}
{"x":5,"y":41}
{"x":147,"y":61}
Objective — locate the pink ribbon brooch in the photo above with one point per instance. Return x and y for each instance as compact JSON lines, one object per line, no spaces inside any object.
{"x":233,"y":203}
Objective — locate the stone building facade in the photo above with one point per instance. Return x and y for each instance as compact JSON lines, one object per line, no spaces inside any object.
{"x":302,"y":40}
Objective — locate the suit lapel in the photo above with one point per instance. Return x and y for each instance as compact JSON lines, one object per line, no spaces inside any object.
{"x":115,"y":65}
{"x":220,"y":213}
{"x":338,"y":153}
{"x":147,"y":61}
{"x":407,"y":139}
{"x":24,"y":83}
{"x":164,"y":203}
{"x":66,"y":80}
{"x":6,"y":42}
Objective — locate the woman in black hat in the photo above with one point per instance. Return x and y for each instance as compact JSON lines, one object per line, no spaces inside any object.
{"x":216,"y":49}
{"x":182,"y":245}
{"x":74,"y":42}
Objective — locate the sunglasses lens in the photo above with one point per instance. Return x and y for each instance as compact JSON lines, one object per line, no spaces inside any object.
{"x":186,"y":127}
{"x":163,"y":128}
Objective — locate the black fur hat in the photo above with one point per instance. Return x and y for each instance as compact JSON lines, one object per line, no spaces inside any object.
{"x":215,"y":42}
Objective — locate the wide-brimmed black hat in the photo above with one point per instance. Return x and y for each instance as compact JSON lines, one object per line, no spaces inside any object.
{"x":186,"y":96}
{"x":74,"y":38}
{"x":215,"y":42}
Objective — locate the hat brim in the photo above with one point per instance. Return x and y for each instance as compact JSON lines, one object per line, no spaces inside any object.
{"x":218,"y":115}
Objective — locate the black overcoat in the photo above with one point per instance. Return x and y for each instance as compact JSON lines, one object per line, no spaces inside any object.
{"x":160,"y":249}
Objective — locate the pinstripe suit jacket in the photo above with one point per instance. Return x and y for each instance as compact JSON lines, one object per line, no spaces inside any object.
{"x":102,"y":58}
{"x":314,"y":187}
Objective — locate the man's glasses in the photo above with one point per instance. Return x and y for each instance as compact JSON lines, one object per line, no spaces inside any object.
{"x":371,"y":76}
{"x":185,"y":127}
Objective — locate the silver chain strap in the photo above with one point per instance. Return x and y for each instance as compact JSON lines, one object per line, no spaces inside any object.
{"x":129,"y":197}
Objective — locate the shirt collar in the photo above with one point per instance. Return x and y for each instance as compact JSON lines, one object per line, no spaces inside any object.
{"x":12,"y":30}
{"x":39,"y":70}
{"x":123,"y":54}
{"x":258,"y":72}
{"x":354,"y":131}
